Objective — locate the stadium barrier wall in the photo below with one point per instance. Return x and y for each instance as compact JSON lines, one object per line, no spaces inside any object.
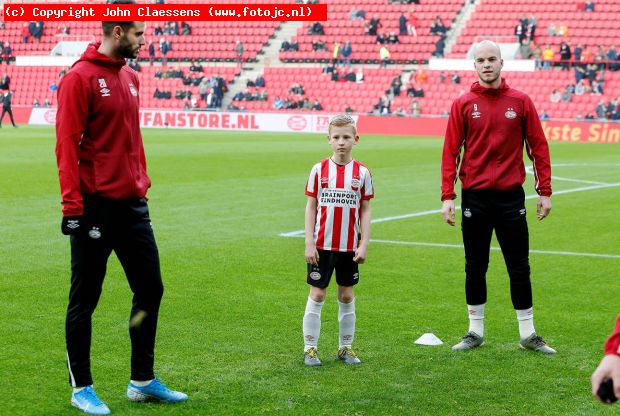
{"x":557,"y":131}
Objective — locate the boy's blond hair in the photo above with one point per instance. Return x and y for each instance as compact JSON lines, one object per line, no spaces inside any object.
{"x":341,"y":121}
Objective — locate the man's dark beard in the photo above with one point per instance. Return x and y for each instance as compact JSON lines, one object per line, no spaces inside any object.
{"x":125,"y":50}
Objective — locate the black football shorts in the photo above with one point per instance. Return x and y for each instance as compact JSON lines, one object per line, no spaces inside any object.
{"x":347,"y":273}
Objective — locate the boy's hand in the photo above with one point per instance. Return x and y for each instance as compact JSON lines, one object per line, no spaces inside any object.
{"x":312,"y":256}
{"x":360,"y":254}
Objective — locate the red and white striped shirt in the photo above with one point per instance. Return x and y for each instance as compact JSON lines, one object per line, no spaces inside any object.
{"x":339,"y":190}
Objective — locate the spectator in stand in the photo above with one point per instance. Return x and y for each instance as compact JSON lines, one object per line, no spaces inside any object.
{"x":278,"y":103}
{"x":421,"y":76}
{"x":580,"y":88}
{"x":543,"y":116}
{"x":63,"y":29}
{"x":393,"y":38}
{"x":412,"y":24}
{"x":260,"y":81}
{"x":353,"y":14}
{"x":186,"y":29}
{"x":589,"y":7}
{"x":615,"y":114}
{"x":440,"y":46}
{"x":577,"y":52}
{"x":565,"y":55}
{"x":239,"y":52}
{"x":359,"y":75}
{"x":385,"y":103}
{"x":384,"y":56}
{"x":396,"y":85}
{"x":347,"y":51}
{"x":400,"y":112}
{"x":597,"y":88}
{"x":373,"y":25}
{"x":5,"y":82}
{"x":317,"y":105}
{"x":531,"y":28}
{"x":319,"y":46}
{"x":38,"y":31}
{"x":556,"y":96}
{"x":442,"y":77}
{"x":524,"y":51}
{"x":382,"y":39}
{"x":416,"y":108}
{"x":35,"y":103}
{"x":563,"y":30}
{"x":158,"y":31}
{"x":601,"y":110}
{"x":438,"y":27}
{"x":164,"y":48}
{"x":203,"y":88}
{"x":316,"y":29}
{"x":414,"y":91}
{"x":456,"y":78}
{"x":567,"y":95}
{"x":25,"y":32}
{"x":361,"y":14}
{"x":402,"y":25}
{"x":611,"y":108}
{"x":195,"y":67}
{"x":151,"y":53}
{"x":519,"y":31}
{"x":348,"y":109}
{"x":612,"y":56}
{"x":547,"y":57}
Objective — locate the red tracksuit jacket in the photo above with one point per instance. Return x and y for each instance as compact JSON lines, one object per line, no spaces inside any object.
{"x":492,"y":125}
{"x":99,"y":146}
{"x":612,"y":346}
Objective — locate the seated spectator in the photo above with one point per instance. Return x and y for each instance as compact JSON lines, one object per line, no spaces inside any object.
{"x":286,"y":46}
{"x":348,"y":109}
{"x":393,"y":38}
{"x":440,"y":46}
{"x":316,"y":29}
{"x":421,"y":76}
{"x":5,"y":82}
{"x":317,"y":105}
{"x":25,"y":32}
{"x":382,"y":38}
{"x":359,"y":75}
{"x":543,"y":116}
{"x":567,"y":95}
{"x":589,"y":6}
{"x":552,"y":30}
{"x":589,"y":116}
{"x":580,"y":88}
{"x":195,"y":67}
{"x":158,"y":31}
{"x":233,"y":108}
{"x":416,"y":108}
{"x":304,"y":104}
{"x":7,"y":52}
{"x":413,"y":91}
{"x":442,"y":77}
{"x":597,"y":88}
{"x":260,"y":81}
{"x":373,"y":25}
{"x":400,"y":112}
{"x":455,"y":78}
{"x":438,"y":27}
{"x":278,"y":103}
{"x":361,"y":14}
{"x":601,"y":110}
{"x":186,"y":29}
{"x":297,"y":89}
{"x":396,"y":86}
{"x":556,"y":96}
{"x":319,"y":46}
{"x":47,"y":103}
{"x":239,"y":96}
{"x":35,"y":103}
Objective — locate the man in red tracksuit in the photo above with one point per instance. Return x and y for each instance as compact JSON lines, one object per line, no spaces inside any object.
{"x":103,"y":182}
{"x":491,"y":124}
{"x":610,"y":364}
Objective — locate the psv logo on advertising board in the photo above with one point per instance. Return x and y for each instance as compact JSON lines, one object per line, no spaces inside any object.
{"x":297,"y":123}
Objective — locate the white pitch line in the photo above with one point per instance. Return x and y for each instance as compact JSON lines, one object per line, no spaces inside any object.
{"x":442,"y":245}
{"x":560,"y":253}
{"x":437,"y":211}
{"x":530,"y":170}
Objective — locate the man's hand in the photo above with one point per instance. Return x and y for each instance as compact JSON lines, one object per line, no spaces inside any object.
{"x":360,"y":254}
{"x":447,"y":212}
{"x":608,"y":368}
{"x":543,"y":208}
{"x":72,"y":225}
{"x":312,"y":256}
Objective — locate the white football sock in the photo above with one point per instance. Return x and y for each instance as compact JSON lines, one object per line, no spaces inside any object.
{"x":346,"y":323}
{"x":476,"y":318}
{"x":526,"y":322}
{"x":312,"y":324}
{"x":78,"y":389}
{"x":141,"y":383}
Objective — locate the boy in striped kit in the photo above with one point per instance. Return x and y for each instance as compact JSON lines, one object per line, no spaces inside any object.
{"x":339,"y":191}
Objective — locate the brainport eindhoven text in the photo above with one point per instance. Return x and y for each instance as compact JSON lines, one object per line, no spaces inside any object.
{"x":79,"y":12}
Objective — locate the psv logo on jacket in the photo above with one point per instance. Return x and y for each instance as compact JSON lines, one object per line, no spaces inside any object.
{"x":133,"y":90}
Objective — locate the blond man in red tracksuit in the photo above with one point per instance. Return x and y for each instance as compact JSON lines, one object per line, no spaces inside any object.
{"x":487,"y":130}
{"x":103,"y":182}
{"x":609,"y":368}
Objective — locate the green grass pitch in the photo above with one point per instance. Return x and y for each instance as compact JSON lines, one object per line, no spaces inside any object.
{"x":230,"y":323}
